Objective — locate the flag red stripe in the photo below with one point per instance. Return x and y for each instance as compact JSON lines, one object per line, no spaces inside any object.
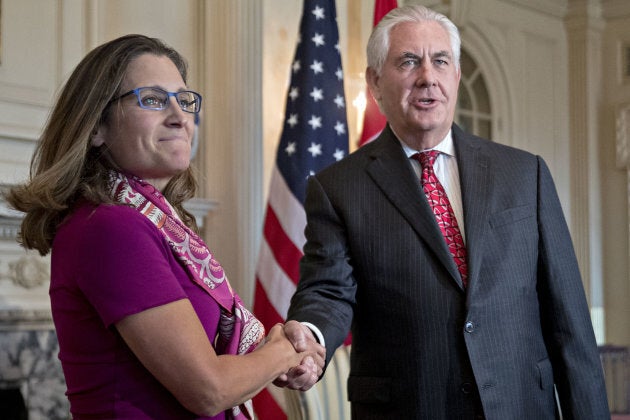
{"x":278,"y":286}
{"x":264,"y":310}
{"x":284,"y":251}
{"x":267,"y":407}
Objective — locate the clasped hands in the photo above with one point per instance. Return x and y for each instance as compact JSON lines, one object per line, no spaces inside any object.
{"x":303,"y":376}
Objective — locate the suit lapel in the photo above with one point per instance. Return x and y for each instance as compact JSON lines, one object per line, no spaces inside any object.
{"x":392,"y":172}
{"x":475,"y":180}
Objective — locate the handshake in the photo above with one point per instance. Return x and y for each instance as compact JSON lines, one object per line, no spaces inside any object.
{"x":306,"y":351}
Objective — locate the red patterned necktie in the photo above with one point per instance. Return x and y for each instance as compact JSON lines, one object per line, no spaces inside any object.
{"x":443,"y":211}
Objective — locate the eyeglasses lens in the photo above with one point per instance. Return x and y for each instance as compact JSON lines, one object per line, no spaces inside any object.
{"x":188,"y":101}
{"x":153,"y":98}
{"x":157,"y":99}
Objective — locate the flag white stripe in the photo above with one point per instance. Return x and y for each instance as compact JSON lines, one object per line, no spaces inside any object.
{"x":288,"y":209}
{"x":277,"y":285}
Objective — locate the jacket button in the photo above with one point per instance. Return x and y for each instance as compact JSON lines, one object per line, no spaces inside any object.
{"x":469,"y":327}
{"x":466,"y":388}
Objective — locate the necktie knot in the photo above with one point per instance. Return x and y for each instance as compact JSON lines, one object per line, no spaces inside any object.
{"x":427,"y":159}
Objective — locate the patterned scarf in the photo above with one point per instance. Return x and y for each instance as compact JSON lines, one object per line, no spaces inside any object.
{"x":239,"y":331}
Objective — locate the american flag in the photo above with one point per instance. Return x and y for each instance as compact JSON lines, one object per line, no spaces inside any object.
{"x":314,"y":135}
{"x":373,"y":120}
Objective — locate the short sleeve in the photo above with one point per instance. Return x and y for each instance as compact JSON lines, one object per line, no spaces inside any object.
{"x":124,"y":264}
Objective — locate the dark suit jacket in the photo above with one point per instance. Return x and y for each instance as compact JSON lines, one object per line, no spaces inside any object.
{"x":424,"y":348}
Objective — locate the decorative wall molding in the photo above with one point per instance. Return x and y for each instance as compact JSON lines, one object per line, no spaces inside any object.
{"x":28,"y":272}
{"x":584,"y":28}
{"x":9,"y":228}
{"x":623,"y":135}
{"x":200,"y":208}
{"x":557,"y":8}
{"x":25,"y":94}
{"x":19,"y":132}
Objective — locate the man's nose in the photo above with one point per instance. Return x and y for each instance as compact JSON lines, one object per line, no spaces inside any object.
{"x":425,"y":76}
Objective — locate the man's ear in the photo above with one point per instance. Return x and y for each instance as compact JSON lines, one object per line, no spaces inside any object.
{"x":372,"y":79}
{"x":98,"y":136}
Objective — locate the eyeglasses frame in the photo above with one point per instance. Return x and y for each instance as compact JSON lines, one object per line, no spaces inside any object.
{"x":137,"y":90}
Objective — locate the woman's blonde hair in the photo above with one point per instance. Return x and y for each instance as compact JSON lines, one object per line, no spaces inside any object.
{"x":65,"y":166}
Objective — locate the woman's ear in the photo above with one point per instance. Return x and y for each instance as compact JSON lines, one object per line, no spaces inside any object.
{"x":98,"y":136}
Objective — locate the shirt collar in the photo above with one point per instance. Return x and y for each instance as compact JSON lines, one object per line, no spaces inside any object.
{"x":446,"y":146}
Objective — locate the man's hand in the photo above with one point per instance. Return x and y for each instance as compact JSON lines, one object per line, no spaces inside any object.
{"x":306,"y":374}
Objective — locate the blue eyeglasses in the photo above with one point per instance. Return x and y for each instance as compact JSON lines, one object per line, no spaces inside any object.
{"x":157,"y":99}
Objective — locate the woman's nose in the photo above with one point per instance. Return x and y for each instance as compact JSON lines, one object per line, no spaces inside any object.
{"x":177,"y":114}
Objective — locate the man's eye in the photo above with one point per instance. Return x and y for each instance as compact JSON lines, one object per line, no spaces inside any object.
{"x":408,"y":63}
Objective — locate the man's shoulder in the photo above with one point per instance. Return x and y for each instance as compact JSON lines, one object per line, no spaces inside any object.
{"x":491,"y":147}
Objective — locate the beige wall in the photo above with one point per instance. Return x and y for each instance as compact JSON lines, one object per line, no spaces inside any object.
{"x":240,"y":51}
{"x":614,"y":143}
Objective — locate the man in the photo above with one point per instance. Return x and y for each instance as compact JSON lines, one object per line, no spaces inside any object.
{"x":480,"y":323}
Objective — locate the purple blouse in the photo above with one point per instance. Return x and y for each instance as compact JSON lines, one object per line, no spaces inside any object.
{"x":109,"y":262}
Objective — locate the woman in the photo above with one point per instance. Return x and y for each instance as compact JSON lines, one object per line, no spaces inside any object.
{"x":148,"y":325}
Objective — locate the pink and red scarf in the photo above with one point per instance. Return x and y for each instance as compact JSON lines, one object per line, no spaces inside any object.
{"x":239,"y":331}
